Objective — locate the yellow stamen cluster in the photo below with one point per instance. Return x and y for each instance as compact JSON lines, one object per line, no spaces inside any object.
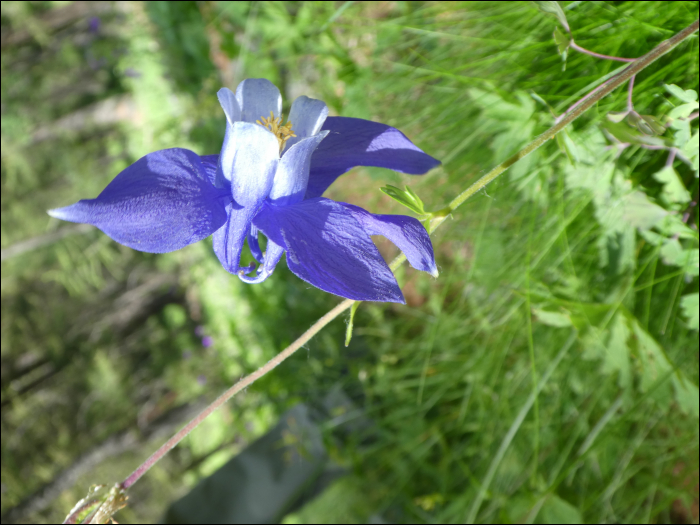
{"x":283,"y":133}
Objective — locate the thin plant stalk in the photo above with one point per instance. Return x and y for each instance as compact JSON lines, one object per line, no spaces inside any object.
{"x":240,"y":385}
{"x":586,"y":103}
{"x":585,"y":51}
{"x":630,"y":106}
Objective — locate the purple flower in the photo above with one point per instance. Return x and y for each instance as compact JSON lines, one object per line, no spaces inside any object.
{"x":269,"y":178}
{"x":94,"y":24}
{"x":207,"y":341}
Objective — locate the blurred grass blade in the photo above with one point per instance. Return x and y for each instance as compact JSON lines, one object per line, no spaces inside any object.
{"x":553,"y":9}
{"x":515,"y":426}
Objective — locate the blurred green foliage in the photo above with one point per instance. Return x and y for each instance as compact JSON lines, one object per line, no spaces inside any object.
{"x":103,"y":349}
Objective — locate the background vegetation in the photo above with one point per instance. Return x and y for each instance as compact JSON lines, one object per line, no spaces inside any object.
{"x":577,"y":269}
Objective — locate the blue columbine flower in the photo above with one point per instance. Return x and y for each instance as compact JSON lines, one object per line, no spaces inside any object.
{"x":269,"y":178}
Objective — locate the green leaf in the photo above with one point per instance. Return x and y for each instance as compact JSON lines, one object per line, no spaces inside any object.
{"x":406,"y":198}
{"x":681,"y":136}
{"x":689,"y":306}
{"x":655,"y":366}
{"x":683,"y":110}
{"x":557,"y":510}
{"x":686,"y":95}
{"x":414,"y":196}
{"x":652,"y":363}
{"x":624,"y":133}
{"x":640,"y":212}
{"x":674,"y":190}
{"x":348,"y":330}
{"x":674,"y":254}
{"x":617,"y":354}
{"x":654,"y":125}
{"x":633,"y":118}
{"x":496,"y":108}
{"x":687,"y":395}
{"x":553,"y":9}
{"x":556,"y":319}
{"x":563,"y":42}
{"x":617,"y":116}
{"x":628,"y":349}
{"x":690,"y":150}
{"x":652,"y":238}
{"x":542,"y":101}
{"x":567,"y":146}
{"x":647,"y":124}
{"x":586,"y":317}
{"x":673,"y":226}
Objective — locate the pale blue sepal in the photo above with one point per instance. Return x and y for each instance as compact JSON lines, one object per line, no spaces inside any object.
{"x":232,"y":110}
{"x":230,"y":105}
{"x":307,"y":116}
{"x":253,"y":162}
{"x":228,"y":240}
{"x":257,"y":97}
{"x":292,"y":174}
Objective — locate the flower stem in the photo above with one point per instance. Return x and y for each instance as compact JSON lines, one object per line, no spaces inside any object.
{"x":630,"y":106}
{"x":598,"y":55}
{"x":586,"y":103}
{"x":671,"y":157}
{"x":240,"y":385}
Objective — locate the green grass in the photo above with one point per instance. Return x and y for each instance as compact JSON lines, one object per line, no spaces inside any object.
{"x":548,"y":375}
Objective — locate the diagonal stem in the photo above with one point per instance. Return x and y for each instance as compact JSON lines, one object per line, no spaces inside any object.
{"x":240,"y":385}
{"x":585,"y":51}
{"x":586,"y":103}
{"x":630,"y":106}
